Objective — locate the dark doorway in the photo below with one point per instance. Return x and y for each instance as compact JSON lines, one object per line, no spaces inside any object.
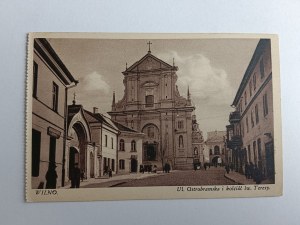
{"x":92,"y":165}
{"x":73,"y":158}
{"x":134,"y":165}
{"x":214,"y":161}
{"x":151,"y":152}
{"x":270,"y":160}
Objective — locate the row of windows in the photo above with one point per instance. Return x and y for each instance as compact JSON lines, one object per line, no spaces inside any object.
{"x":254,"y":114}
{"x":252,"y":85}
{"x":216,"y":151}
{"x":122,"y":145}
{"x":55,"y":88}
{"x":257,"y":156}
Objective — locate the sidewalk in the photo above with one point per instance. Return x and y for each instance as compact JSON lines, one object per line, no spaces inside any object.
{"x":241,"y":179}
{"x":117,"y":178}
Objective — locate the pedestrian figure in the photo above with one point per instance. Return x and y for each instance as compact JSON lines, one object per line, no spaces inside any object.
{"x":208,"y":165}
{"x":257,"y":175}
{"x":110,"y":173}
{"x":167,"y":167}
{"x":51,"y":177}
{"x":75,"y":177}
{"x":251,"y":170}
{"x":82,"y":175}
{"x":195,"y":167}
{"x":247,"y":170}
{"x":205,"y":166}
{"x":227,"y":169}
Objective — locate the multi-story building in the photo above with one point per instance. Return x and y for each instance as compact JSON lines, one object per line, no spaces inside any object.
{"x":215,"y":144}
{"x":50,"y":83}
{"x":152,"y":105}
{"x":251,"y":130}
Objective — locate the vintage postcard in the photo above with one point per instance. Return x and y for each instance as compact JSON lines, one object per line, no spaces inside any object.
{"x":152,"y":116}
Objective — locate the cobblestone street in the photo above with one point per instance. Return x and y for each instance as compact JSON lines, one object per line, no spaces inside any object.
{"x":212,"y":176}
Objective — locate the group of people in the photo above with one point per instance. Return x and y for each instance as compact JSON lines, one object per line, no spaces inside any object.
{"x":107,"y":171}
{"x":253,"y":172}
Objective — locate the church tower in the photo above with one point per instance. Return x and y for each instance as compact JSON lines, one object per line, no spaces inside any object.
{"x":152,"y":104}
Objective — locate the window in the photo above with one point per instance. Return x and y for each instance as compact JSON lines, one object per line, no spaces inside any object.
{"x":35,"y":79}
{"x":113,"y":165}
{"x":112,"y":143}
{"x":133,"y":146}
{"x":149,"y":100}
{"x":252,"y":119}
{"x":52,"y":150}
{"x":180,"y":141}
{"x":249,"y":153}
{"x":250,"y":88}
{"x":254,"y":81}
{"x":223,"y":151}
{"x":105,"y":141}
{"x":241,"y":106}
{"x":216,"y":150}
{"x":254,"y":152}
{"x":256,"y":114}
{"x":210,"y":151}
{"x":122,"y":145}
{"x":121,"y":164}
{"x":265,"y":104}
{"x":262,"y":68}
{"x":180,"y":124}
{"x":245,"y":97}
{"x":36,"y":151}
{"x":247,"y":124}
{"x":54,"y":96}
{"x":259,"y":149}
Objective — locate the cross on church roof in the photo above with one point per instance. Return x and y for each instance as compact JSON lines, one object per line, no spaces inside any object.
{"x":149,"y":43}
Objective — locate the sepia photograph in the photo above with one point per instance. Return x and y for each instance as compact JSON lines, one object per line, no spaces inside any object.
{"x":152,"y":116}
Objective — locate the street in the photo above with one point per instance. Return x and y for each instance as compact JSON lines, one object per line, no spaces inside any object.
{"x":212,"y":176}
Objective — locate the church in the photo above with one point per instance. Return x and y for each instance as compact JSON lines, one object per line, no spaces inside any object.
{"x":153,"y":105}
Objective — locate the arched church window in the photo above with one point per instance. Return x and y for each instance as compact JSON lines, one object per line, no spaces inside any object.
{"x":217,"y":150}
{"x":133,"y":146}
{"x":210,"y":151}
{"x":180,"y":141}
{"x":132,"y":124}
{"x":122,"y":145}
{"x":150,"y":132}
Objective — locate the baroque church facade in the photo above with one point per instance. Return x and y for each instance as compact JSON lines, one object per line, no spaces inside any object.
{"x":153,"y":105}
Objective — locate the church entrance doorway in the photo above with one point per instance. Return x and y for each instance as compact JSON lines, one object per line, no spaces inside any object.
{"x":150,"y":152}
{"x":216,"y":161}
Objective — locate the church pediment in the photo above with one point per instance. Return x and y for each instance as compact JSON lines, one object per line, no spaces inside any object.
{"x":148,"y":63}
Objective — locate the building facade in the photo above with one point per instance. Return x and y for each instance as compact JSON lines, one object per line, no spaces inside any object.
{"x":251,"y":130}
{"x":152,"y":105}
{"x":197,"y":143}
{"x":130,"y":149}
{"x":51,"y":81}
{"x":217,"y":147}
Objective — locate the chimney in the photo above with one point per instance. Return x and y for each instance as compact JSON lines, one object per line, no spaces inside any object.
{"x":95,"y":110}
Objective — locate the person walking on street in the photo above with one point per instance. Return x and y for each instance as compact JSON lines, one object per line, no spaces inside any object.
{"x":51,"y":177}
{"x":251,"y":170}
{"x":205,"y":166}
{"x":75,"y":177}
{"x":257,"y":175}
{"x":110,"y":173}
{"x":227,"y":168}
{"x":247,"y":170}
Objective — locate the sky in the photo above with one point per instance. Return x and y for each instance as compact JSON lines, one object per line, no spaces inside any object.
{"x":211,"y":68}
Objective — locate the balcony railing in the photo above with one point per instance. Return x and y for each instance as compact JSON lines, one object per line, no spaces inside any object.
{"x":235,"y":117}
{"x":235,"y":142}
